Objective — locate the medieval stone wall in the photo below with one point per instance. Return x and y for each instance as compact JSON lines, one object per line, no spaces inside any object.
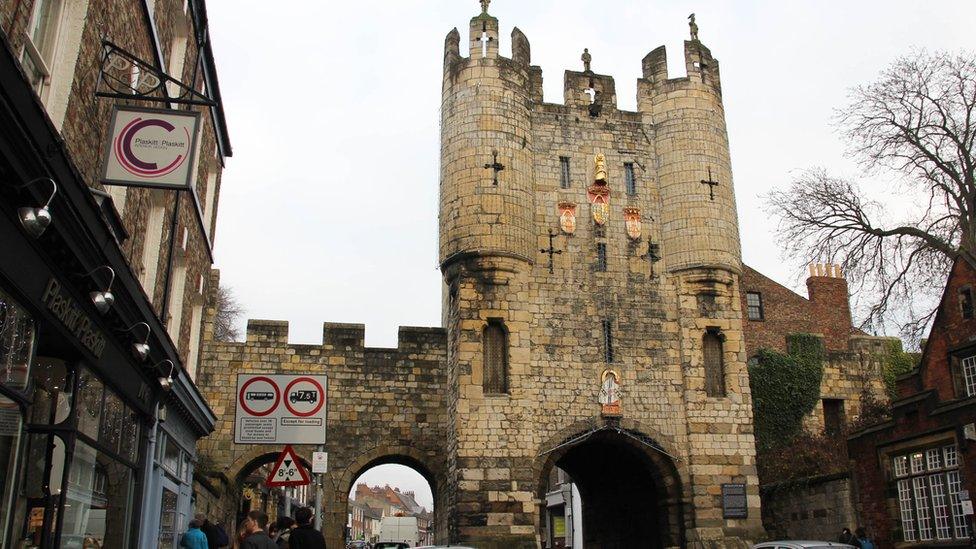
{"x":817,"y":508}
{"x":384,"y":405}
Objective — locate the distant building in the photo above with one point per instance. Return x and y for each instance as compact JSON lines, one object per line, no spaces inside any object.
{"x":391,"y":502}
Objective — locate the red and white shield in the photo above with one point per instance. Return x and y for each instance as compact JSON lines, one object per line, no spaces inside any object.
{"x":567,"y":217}
{"x":633,"y":220}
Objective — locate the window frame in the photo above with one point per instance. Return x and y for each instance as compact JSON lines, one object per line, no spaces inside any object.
{"x":966,"y":304}
{"x":42,"y":62}
{"x":760,"y":307}
{"x":565,"y":174}
{"x":601,"y":257}
{"x":927,"y":483}
{"x":630,"y":179}
{"x":721,"y":390}
{"x":505,"y":385}
{"x":608,"y":353}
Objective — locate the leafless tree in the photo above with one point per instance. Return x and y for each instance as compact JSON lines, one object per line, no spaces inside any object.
{"x":229,"y":311}
{"x":915,"y":126}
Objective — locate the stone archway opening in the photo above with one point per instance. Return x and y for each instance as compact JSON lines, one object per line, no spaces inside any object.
{"x":392,"y":486}
{"x":611,"y":488}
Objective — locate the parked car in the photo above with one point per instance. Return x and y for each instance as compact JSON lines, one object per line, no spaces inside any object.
{"x":359,"y":544}
{"x":391,"y":545}
{"x":801,"y":545}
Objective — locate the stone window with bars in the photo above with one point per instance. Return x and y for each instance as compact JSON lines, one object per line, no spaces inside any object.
{"x":564,"y":172}
{"x":608,"y":341}
{"x":496,"y":357}
{"x":928,"y":487}
{"x":601,"y":256}
{"x":714,"y":362}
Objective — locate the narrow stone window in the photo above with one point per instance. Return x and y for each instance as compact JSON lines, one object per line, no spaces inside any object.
{"x":564,"y":172}
{"x":629,"y":179}
{"x":834,"y":416}
{"x":754,"y":305}
{"x":496,"y":357}
{"x":601,"y":256}
{"x":712,"y":353}
{"x":966,"y":302}
{"x":608,"y":341}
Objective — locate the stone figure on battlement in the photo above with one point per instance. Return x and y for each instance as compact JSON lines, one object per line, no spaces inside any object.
{"x":586,"y":58}
{"x":693,"y":26}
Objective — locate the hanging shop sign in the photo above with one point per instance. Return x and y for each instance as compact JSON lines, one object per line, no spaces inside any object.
{"x":280,"y":409}
{"x":151,"y":148}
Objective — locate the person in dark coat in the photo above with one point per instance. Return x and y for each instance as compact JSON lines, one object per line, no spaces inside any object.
{"x":304,"y":536}
{"x":256,"y":537}
{"x":216,"y":537}
{"x":847,"y":537}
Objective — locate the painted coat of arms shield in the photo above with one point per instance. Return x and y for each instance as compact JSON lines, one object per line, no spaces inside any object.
{"x":633,"y":220}
{"x":567,"y":217}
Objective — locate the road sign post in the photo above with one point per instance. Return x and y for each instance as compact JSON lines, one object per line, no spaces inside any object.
{"x":280,"y":409}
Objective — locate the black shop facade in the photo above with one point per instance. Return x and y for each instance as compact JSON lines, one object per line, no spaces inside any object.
{"x":98,"y":420}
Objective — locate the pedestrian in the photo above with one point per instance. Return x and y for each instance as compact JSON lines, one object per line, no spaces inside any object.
{"x":255,"y":535}
{"x":194,"y":538}
{"x":305,"y":536}
{"x":862,"y":538}
{"x":216,"y":536}
{"x":283,"y":526}
{"x":847,"y":537}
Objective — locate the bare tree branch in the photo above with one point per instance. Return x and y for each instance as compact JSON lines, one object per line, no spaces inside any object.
{"x":917,"y":124}
{"x":229,"y":311}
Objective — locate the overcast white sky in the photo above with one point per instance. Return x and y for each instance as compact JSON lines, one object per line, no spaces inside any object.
{"x":328,"y":208}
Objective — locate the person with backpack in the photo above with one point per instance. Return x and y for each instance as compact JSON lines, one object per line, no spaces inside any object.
{"x":216,"y":536}
{"x":862,"y":538}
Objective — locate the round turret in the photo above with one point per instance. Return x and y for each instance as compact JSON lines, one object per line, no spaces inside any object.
{"x":699,"y":223}
{"x":486,"y":197}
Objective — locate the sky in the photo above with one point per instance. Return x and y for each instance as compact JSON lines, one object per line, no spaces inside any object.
{"x":328,"y":207}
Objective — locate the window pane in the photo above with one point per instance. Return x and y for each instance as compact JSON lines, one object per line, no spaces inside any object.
{"x":631,"y":182}
{"x":922,"y":508}
{"x":16,"y":344}
{"x":89,"y":404}
{"x":901,"y":466}
{"x":564,"y":172}
{"x":496,"y":359}
{"x":958,"y":519}
{"x":714,"y":365}
{"x":940,"y":509}
{"x":96,"y":511}
{"x":905,"y":506}
{"x":167,"y":519}
{"x":113,"y":416}
{"x":969,"y":374}
{"x":933,"y":458}
{"x":10,"y":437}
{"x":44,"y":21}
{"x":917,"y":461}
{"x":130,"y":437}
{"x":951,"y":459}
{"x":50,"y":389}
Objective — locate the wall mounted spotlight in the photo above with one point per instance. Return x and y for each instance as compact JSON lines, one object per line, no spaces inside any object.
{"x":167,"y":382}
{"x":103,"y":299}
{"x":140,"y":348}
{"x":36,"y":220}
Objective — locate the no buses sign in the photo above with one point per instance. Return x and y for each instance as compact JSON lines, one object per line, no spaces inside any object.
{"x":280,"y":409}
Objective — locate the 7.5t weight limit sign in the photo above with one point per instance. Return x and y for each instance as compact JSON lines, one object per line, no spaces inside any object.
{"x":280,"y":409}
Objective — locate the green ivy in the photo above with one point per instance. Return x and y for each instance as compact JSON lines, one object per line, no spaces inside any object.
{"x":896,"y":362}
{"x":785,"y":388}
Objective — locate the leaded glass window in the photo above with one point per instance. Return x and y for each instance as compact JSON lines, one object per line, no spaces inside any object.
{"x":928,"y":487}
{"x":969,"y":374}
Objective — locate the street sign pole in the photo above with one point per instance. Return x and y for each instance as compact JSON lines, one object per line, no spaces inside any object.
{"x":318,"y":495}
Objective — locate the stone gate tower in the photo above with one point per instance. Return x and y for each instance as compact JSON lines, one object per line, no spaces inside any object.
{"x":614,"y":348}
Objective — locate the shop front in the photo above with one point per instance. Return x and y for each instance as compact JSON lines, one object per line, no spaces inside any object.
{"x":97,"y":419}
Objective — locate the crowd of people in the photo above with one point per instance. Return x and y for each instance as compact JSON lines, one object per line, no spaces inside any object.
{"x":256,"y":533}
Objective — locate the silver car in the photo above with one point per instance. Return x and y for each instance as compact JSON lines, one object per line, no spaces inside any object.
{"x":801,"y":545}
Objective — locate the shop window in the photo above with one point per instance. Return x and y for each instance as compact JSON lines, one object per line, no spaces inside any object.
{"x":496,"y":357}
{"x":966,"y":302}
{"x":89,"y":410}
{"x":96,"y":510}
{"x":51,"y":389}
{"x":714,"y":361}
{"x":754,"y":305}
{"x":16,"y":344}
{"x":928,"y":487}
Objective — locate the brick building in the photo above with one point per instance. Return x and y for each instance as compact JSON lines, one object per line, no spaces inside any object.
{"x":910,"y":471}
{"x":102,"y":286}
{"x":853,"y":363}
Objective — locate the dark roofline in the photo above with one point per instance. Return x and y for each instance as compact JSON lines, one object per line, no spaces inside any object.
{"x":202,"y":31}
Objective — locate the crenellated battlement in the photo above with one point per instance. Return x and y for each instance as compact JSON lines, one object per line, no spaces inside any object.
{"x":344,"y":336}
{"x":700,"y":66}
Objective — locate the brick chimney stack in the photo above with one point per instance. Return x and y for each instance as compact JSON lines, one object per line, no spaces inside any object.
{"x":830,"y":304}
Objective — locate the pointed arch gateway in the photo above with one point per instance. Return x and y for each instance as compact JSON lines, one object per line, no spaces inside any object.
{"x":629,"y":484}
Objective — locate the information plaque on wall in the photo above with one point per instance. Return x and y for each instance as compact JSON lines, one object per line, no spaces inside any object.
{"x":734,"y":503}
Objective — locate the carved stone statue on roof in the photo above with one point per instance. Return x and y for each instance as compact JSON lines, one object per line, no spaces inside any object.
{"x":586,"y":58}
{"x":693,"y":26}
{"x":484,"y":6}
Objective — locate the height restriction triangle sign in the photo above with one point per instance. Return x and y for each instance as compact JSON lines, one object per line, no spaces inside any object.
{"x":288,"y":471}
